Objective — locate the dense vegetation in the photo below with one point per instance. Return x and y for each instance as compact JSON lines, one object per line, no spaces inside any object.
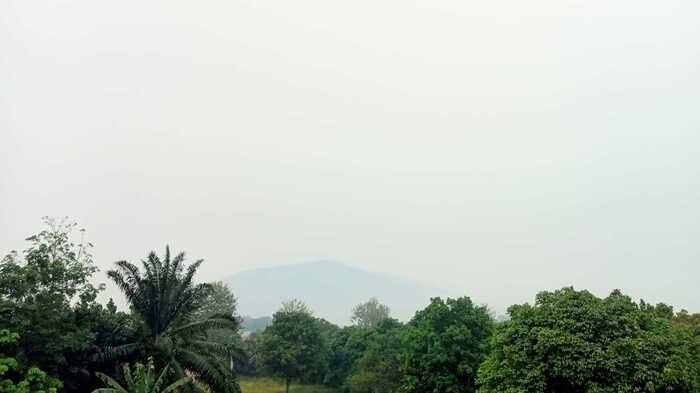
{"x":572,"y":341}
{"x":180,"y":335}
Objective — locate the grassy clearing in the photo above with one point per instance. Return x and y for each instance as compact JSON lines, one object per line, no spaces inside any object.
{"x":269,"y":385}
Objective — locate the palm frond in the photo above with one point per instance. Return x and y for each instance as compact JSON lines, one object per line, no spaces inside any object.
{"x":125,"y":284}
{"x":217,"y":322}
{"x":210,"y":347}
{"x":110,"y":382}
{"x":209,"y":370}
{"x":166,"y":299}
{"x":175,"y":385}
{"x":110,"y":353}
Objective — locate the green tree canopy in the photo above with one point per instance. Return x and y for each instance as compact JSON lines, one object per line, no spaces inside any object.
{"x":46,"y":294}
{"x":690,"y":321}
{"x":345,"y":347}
{"x":370,"y":313}
{"x":53,"y":268}
{"x":573,"y":341}
{"x":219,"y":301}
{"x":292,"y":346}
{"x":378,"y":369}
{"x":295,"y":306}
{"x":444,"y":345}
{"x":32,"y":381}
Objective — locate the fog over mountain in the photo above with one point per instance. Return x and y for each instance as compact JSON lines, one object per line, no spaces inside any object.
{"x":497,"y":149}
{"x":330,"y":288}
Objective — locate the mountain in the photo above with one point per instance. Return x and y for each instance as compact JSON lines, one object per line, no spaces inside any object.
{"x":255,"y":325}
{"x":331,"y":289}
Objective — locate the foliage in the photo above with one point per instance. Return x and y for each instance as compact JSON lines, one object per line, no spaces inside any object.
{"x":292,"y":347}
{"x":144,"y":379}
{"x":444,"y":345}
{"x":691,"y":324}
{"x":46,"y":294}
{"x":54,"y":268}
{"x":345,"y":347}
{"x":109,"y":328}
{"x":219,"y":301}
{"x":318,"y":374}
{"x":568,"y":341}
{"x":295,"y":306}
{"x":32,"y":381}
{"x":573,"y":341}
{"x":369,"y":314}
{"x":690,"y":321}
{"x":248,"y":363}
{"x":378,"y":370}
{"x":166,"y":301}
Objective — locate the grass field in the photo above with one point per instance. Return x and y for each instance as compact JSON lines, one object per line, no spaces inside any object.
{"x":268,"y":385}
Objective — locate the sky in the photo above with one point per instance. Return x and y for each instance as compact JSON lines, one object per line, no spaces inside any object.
{"x":495,"y":148}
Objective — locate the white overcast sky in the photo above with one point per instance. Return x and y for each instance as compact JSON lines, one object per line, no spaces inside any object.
{"x":496,"y":148}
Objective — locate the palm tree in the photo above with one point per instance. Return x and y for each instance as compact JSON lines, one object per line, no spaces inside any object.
{"x":165,"y":300}
{"x":144,"y":380}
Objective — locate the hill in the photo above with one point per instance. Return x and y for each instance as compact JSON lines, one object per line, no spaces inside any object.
{"x":331,"y":289}
{"x":255,"y":325}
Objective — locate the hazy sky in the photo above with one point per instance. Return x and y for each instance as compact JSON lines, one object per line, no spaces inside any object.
{"x":496,"y":148}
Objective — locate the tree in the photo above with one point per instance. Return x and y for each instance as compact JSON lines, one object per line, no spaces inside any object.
{"x":345,"y":347}
{"x":47,"y":295}
{"x":691,"y":324}
{"x":144,"y":379}
{"x":370,"y":313}
{"x":248,"y":365}
{"x":690,"y":321}
{"x":378,"y":369}
{"x":292,"y":347}
{"x":445,"y":343}
{"x":220,"y":301}
{"x":32,"y":381}
{"x":295,"y":306}
{"x":573,"y":341}
{"x":166,"y":301}
{"x":53,"y":268}
{"x":318,"y":374}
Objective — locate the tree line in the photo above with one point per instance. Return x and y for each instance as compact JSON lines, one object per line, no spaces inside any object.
{"x":179,"y":335}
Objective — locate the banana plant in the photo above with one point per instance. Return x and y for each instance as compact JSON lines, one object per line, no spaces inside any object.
{"x":144,"y":379}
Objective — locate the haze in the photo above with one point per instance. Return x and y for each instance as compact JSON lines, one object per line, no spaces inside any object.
{"x":492,"y":148}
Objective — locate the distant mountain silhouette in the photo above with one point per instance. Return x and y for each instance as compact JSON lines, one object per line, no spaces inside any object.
{"x":331,"y":289}
{"x":255,"y":325}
